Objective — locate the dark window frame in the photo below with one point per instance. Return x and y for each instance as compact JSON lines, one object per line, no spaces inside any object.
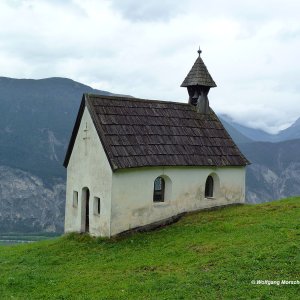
{"x":97,"y":206}
{"x":159,"y":190}
{"x":75,"y":199}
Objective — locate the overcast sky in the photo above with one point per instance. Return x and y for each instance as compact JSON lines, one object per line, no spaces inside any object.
{"x":146,"y":48}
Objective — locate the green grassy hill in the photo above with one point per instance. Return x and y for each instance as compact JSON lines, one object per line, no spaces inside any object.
{"x":206,"y":255}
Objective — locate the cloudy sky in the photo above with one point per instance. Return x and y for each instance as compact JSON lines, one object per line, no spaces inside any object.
{"x":146,"y":48}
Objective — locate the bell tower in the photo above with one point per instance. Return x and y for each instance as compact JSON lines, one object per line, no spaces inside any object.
{"x":198,"y":83}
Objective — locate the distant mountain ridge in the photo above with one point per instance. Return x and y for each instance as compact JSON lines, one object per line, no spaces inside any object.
{"x":237,"y":136}
{"x":38,"y":119}
{"x":35,"y":127}
{"x":291,"y":133}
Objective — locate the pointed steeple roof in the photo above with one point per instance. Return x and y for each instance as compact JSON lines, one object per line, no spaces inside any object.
{"x":198,"y":75}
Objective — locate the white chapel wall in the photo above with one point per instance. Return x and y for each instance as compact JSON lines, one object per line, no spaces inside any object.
{"x":88,"y":167}
{"x":127,"y":195}
{"x":132,"y":193}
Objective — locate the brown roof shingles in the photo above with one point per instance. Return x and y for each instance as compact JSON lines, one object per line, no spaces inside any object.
{"x":198,"y":75}
{"x":138,"y":133}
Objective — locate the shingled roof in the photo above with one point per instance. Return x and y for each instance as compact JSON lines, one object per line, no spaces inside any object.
{"x":198,"y":75}
{"x":139,"y":133}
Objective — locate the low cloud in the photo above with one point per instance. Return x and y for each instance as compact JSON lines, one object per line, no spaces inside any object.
{"x":146,"y":48}
{"x":149,"y":11}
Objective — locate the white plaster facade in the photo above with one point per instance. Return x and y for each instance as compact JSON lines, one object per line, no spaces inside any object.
{"x":88,"y":168}
{"x":126,"y":195}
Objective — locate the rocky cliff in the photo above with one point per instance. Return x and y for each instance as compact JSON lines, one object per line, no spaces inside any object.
{"x":274,"y":172}
{"x":28,"y":205}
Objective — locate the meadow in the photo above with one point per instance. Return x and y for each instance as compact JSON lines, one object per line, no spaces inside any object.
{"x":218,"y":254}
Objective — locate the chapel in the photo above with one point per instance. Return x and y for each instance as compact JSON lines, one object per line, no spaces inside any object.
{"x":133,"y":163}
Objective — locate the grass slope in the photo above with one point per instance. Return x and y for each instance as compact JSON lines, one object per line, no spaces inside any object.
{"x":207,"y":255}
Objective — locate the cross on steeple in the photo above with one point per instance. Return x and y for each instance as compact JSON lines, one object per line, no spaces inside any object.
{"x":199,"y":51}
{"x":85,"y":138}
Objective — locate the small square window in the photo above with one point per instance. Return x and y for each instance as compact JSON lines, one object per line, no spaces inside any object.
{"x":97,"y":206}
{"x":75,"y":199}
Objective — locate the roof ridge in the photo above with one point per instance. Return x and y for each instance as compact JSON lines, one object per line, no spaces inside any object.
{"x":134,"y":99}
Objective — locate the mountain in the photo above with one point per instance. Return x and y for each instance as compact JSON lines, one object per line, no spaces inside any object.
{"x":37,"y":121}
{"x":27,"y":204}
{"x":274,"y":172}
{"x":35,"y":127}
{"x":250,"y":133}
{"x":291,"y":133}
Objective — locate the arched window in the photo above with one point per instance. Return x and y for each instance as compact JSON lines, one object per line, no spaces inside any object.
{"x":159,"y":190}
{"x":209,"y":187}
